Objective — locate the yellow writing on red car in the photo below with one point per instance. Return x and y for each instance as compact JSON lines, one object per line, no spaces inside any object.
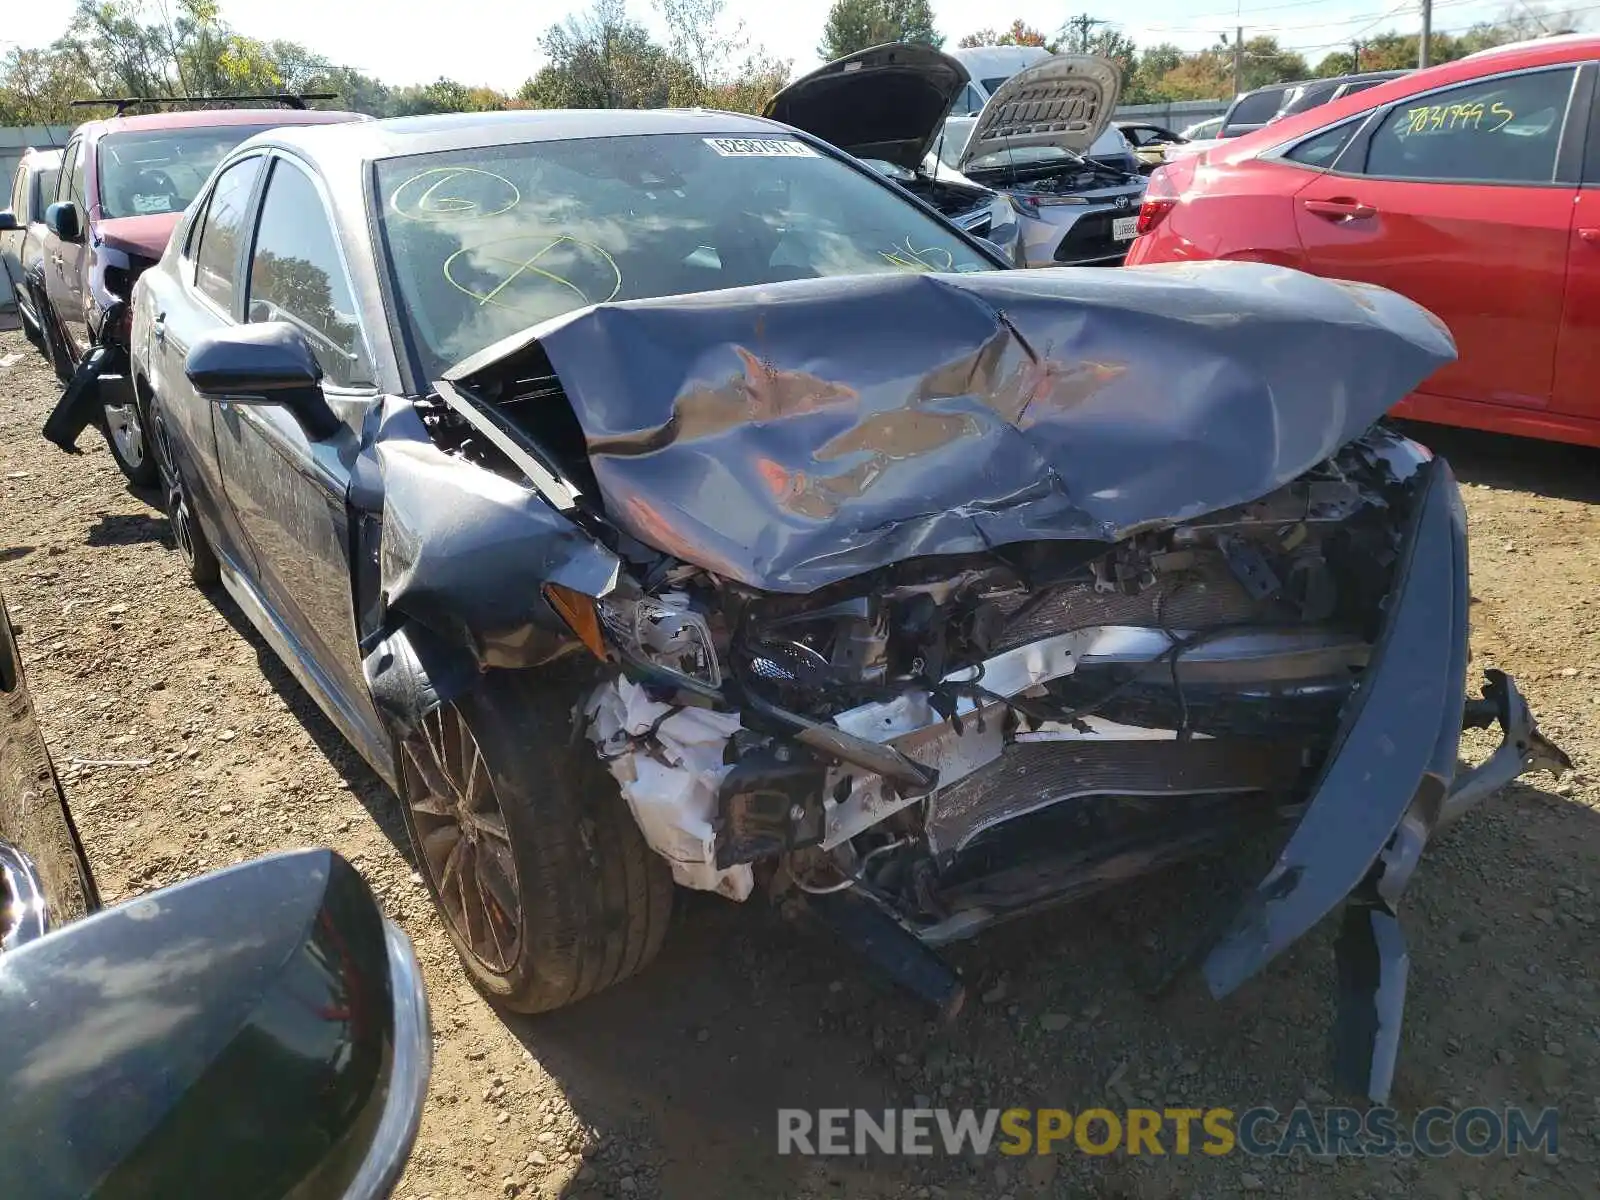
{"x":1474,"y":115}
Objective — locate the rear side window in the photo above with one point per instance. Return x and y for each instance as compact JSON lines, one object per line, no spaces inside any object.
{"x":1502,"y":130}
{"x":217,"y":255}
{"x":1320,"y":150}
{"x":1257,"y":108}
{"x":296,"y":275}
{"x":44,"y":187}
{"x":1361,"y":85}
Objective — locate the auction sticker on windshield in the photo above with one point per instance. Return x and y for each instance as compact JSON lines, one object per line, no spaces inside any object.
{"x":730,"y":147}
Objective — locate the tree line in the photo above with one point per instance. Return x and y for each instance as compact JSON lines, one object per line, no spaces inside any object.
{"x":601,"y":59}
{"x":604,"y":58}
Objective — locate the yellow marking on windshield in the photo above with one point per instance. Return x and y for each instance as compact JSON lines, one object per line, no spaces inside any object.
{"x":425,"y":202}
{"x":524,"y":266}
{"x":909,"y":258}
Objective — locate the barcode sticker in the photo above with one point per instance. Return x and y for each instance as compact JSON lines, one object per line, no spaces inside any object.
{"x":760,"y":148}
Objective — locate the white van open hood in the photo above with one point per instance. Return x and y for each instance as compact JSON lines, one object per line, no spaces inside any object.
{"x":1065,"y":101}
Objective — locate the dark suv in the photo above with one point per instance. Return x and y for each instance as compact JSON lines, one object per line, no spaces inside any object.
{"x":124,"y":182}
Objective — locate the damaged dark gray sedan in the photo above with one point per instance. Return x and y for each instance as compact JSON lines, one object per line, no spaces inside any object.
{"x":662,"y":498}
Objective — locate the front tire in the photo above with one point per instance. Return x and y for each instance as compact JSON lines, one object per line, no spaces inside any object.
{"x":124,"y":427}
{"x":545,"y":885}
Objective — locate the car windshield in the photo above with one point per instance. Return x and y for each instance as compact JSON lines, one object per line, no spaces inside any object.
{"x":161,"y":170}
{"x":487,"y":241}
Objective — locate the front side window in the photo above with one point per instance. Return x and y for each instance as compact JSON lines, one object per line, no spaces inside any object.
{"x":161,"y":171}
{"x":967,"y":103}
{"x":296,"y":275}
{"x":79,"y":180}
{"x":486,"y":241}
{"x":1503,"y":130}
{"x":69,"y":166}
{"x":217,"y":251}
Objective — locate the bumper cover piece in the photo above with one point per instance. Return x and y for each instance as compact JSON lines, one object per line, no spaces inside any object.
{"x":101,"y":378}
{"x":1389,"y":784}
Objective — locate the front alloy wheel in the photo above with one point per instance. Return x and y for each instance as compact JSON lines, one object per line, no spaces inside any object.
{"x":461,"y":832}
{"x":125,"y":436}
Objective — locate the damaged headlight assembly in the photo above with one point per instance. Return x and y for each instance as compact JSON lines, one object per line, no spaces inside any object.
{"x":664,"y":634}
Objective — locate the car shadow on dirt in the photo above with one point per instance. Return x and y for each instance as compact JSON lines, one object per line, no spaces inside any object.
{"x":363,"y":782}
{"x":744,"y":1014}
{"x":128,"y":530}
{"x":1499,"y":460}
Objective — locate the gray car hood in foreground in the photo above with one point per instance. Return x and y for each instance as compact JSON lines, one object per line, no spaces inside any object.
{"x":1065,"y":101}
{"x":793,"y":435}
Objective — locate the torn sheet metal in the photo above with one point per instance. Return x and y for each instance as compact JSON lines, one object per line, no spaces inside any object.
{"x":793,"y":435}
{"x":669,"y":762}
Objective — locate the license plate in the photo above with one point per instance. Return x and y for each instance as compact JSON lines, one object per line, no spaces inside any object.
{"x":1123,"y":228}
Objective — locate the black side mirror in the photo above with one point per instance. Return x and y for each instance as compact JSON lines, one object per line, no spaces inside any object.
{"x":268,"y":363}
{"x":259,"y":1031}
{"x":62,"y":220}
{"x":8,"y":221}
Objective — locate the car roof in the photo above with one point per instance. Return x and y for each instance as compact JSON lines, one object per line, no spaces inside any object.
{"x":335,"y":146}
{"x":35,"y":158}
{"x":1559,"y":39}
{"x":214,"y":118}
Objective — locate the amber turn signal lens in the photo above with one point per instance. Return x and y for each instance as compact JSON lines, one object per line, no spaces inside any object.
{"x":577,"y":610}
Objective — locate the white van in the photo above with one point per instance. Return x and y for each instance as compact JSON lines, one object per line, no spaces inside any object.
{"x":990,"y":66}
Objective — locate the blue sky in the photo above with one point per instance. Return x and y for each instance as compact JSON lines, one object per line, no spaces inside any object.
{"x":495,"y":41}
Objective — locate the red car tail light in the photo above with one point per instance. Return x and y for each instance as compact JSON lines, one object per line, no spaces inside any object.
{"x":1160,"y":198}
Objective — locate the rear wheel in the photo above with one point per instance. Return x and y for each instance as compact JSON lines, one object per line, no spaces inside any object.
{"x":545,"y":884}
{"x":31,"y":330}
{"x":55,"y":344}
{"x":187,"y":535}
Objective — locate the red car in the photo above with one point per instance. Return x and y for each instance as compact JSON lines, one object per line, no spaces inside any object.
{"x":1473,"y":188}
{"x":124,"y":184}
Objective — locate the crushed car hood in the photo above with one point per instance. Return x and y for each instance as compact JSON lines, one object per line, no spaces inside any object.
{"x":146,"y":236}
{"x":1064,"y":101}
{"x":886,"y":102}
{"x":792,"y":435}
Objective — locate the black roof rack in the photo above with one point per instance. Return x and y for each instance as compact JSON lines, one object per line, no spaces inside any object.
{"x":124,"y":103}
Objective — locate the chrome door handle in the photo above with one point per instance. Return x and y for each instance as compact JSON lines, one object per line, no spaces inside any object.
{"x":158,"y":329}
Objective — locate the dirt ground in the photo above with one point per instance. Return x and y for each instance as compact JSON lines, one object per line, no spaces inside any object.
{"x":668,"y":1086}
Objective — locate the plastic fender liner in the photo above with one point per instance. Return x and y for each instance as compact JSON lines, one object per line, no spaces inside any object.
{"x":412,"y":672}
{"x":1396,"y":749}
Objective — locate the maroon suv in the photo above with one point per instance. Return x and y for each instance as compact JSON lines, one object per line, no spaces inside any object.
{"x":124,"y":183}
